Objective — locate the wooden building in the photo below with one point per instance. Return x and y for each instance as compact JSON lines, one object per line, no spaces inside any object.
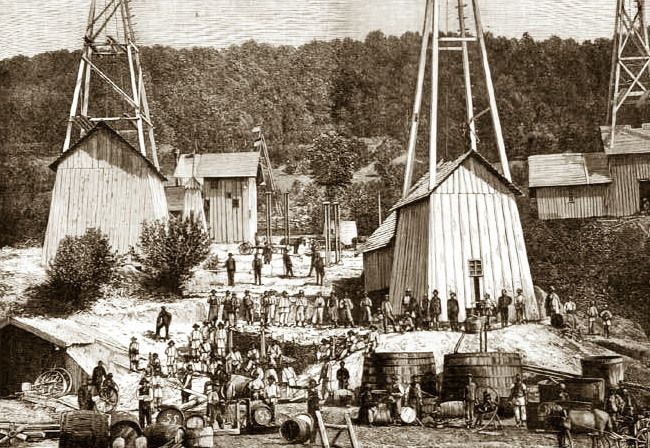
{"x":229,"y":189}
{"x":614,"y":182}
{"x":102,"y":181}
{"x":477,"y":246}
{"x":569,"y":185}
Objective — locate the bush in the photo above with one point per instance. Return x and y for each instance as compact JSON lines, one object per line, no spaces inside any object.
{"x":168,"y":250}
{"x":81,"y":266}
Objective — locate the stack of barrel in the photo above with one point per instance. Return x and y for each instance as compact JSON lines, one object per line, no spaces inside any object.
{"x":379,"y":369}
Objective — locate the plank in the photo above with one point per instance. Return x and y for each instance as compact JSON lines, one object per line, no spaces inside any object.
{"x":437,"y":256}
{"x":448,"y":253}
{"x":495,"y":268}
{"x":485,"y":254}
{"x":353,"y":435}
{"x":321,"y":428}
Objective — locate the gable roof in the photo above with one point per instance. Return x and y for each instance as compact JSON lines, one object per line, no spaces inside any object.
{"x":627,"y":140}
{"x":444,"y":169}
{"x":102,"y":126}
{"x":382,"y":235}
{"x":568,"y":169}
{"x":60,"y":332}
{"x":219,"y":164}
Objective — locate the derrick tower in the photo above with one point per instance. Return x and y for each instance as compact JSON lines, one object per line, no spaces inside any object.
{"x":110,"y":82}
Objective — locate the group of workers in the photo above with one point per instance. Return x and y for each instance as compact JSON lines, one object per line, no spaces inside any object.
{"x":553,"y":306}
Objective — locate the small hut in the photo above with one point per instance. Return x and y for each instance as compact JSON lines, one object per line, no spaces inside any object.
{"x":229,"y":186}
{"x":102,"y":181}
{"x":478,"y":242}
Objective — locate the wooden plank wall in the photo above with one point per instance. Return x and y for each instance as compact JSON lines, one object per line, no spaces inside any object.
{"x":410,"y":253}
{"x":475,"y":217}
{"x":229,"y":224}
{"x":553,"y":202}
{"x":377,"y":267}
{"x":626,"y":171}
{"x":103,"y":183}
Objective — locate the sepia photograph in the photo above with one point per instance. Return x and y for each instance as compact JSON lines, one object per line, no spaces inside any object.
{"x":324,"y":223}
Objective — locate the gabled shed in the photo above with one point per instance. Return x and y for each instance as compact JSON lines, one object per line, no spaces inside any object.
{"x":102,"y":181}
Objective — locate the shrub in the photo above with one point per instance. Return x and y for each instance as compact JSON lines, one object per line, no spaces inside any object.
{"x":81,"y":266}
{"x":168,"y":250}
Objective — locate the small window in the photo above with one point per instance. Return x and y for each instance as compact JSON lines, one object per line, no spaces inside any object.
{"x":235,"y":203}
{"x":572,"y":197}
{"x":475,"y":268}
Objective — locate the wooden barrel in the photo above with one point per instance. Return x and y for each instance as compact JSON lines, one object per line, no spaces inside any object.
{"x":200,"y":437}
{"x":548,"y":391}
{"x":125,"y":426}
{"x":380,"y":415}
{"x":261,"y":415}
{"x":474,"y":324}
{"x":452,"y":409}
{"x":298,"y":429}
{"x":590,"y":390}
{"x":118,"y":442}
{"x":82,"y":429}
{"x":407,"y":415}
{"x":379,"y":368}
{"x":170,"y":415}
{"x":609,"y":368}
{"x":160,"y":434}
{"x":557,"y":320}
{"x":490,"y":369}
{"x":195,"y":420}
{"x":429,"y":405}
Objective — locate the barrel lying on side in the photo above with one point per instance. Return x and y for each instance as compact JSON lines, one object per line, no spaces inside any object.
{"x":83,"y":429}
{"x":298,"y":429}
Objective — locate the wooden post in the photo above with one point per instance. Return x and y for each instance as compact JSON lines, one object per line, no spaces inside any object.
{"x":379,"y":205}
{"x":322,"y":430}
{"x":268,"y":217}
{"x":353,"y":435}
{"x":337,"y":232}
{"x":287,"y":232}
{"x":468,"y":83}
{"x":326,"y":212}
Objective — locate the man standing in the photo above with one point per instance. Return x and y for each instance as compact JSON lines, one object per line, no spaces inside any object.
{"x":373,"y":339}
{"x":213,"y":306}
{"x":231,"y":267}
{"x":162,"y":321}
{"x":395,"y":397}
{"x":98,"y":376}
{"x":387,"y":313}
{"x":134,"y":354}
{"x":301,"y":306}
{"x":366,"y":309}
{"x":195,"y":342}
{"x":424,"y":321}
{"x":606,"y":316}
{"x":145,"y":397}
{"x":452,"y":311}
{"x":249,"y":307}
{"x":315,"y":254}
{"x":592,"y":314}
{"x":503,"y":303}
{"x":552,"y":304}
{"x":272,"y":302}
{"x":222,"y":339}
{"x":288,"y":264}
{"x":172,"y":354}
{"x":233,"y":312}
{"x":414,"y":396}
{"x":85,"y":396}
{"x":570,"y":306}
{"x":257,"y":269}
{"x":319,"y":309}
{"x":267,"y":253}
{"x":188,"y":376}
{"x":346,"y":306}
{"x":407,"y":302}
{"x":435,"y":309}
{"x":343,"y":376}
{"x":271,"y":395}
{"x":518,"y":398}
{"x":283,"y":308}
{"x":520,"y":307}
{"x":469,"y":397}
{"x":333,"y":307}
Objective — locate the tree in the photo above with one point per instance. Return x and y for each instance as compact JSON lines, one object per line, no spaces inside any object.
{"x":332,"y":160}
{"x":168,"y":250}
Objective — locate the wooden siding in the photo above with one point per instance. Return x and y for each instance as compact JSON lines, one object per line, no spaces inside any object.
{"x":410,"y":253}
{"x":589,"y":201}
{"x":377,"y":267}
{"x":230,"y":224}
{"x":626,"y":172}
{"x":475,"y":216}
{"x":105,"y":184}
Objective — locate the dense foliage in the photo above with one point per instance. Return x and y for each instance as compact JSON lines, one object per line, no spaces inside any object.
{"x":168,"y":250}
{"x":81,"y":266}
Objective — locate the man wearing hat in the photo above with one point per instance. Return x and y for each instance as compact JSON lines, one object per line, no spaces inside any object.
{"x":520,"y":307}
{"x":387,"y":312}
{"x":172,"y":354}
{"x":230,"y":269}
{"x":319,"y":309}
{"x":162,"y":321}
{"x":518,"y":398}
{"x":407,"y":301}
{"x":213,"y":309}
{"x":469,"y":397}
{"x":366,"y":309}
{"x":134,"y":353}
{"x":283,"y":309}
{"x":145,"y":397}
{"x":552,"y":304}
{"x":195,"y":342}
{"x":301,"y":306}
{"x":257,"y":269}
{"x":452,"y":311}
{"x":249,"y":307}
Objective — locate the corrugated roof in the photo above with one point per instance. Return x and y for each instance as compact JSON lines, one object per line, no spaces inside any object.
{"x":98,"y":127}
{"x":567,"y":169}
{"x":61,"y":332}
{"x":222,"y":164}
{"x":443,"y":170}
{"x":627,"y":140}
{"x":382,"y":234}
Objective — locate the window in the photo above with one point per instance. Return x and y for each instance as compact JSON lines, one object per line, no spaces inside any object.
{"x":235,"y":203}
{"x":572,"y":197}
{"x":475,"y":268}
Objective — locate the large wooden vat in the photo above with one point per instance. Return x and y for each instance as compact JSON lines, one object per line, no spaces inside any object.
{"x":200,"y":437}
{"x":160,"y":434}
{"x":591,"y":390}
{"x":609,"y":368}
{"x":298,"y":429}
{"x":490,"y":369}
{"x":125,"y":426}
{"x":83,"y":429}
{"x":379,"y":368}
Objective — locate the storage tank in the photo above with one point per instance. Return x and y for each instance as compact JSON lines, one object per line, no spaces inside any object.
{"x":489,"y":369}
{"x":379,"y":368}
{"x":609,"y":368}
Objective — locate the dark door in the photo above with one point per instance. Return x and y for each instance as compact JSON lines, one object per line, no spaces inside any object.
{"x":644,"y":196}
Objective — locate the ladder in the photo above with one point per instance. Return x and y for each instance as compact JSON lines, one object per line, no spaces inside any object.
{"x":267,"y":169}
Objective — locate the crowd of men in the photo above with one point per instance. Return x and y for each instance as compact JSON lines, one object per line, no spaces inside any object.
{"x":554,"y":306}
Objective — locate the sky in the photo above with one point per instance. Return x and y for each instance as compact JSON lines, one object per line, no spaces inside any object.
{"x":30,"y":27}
